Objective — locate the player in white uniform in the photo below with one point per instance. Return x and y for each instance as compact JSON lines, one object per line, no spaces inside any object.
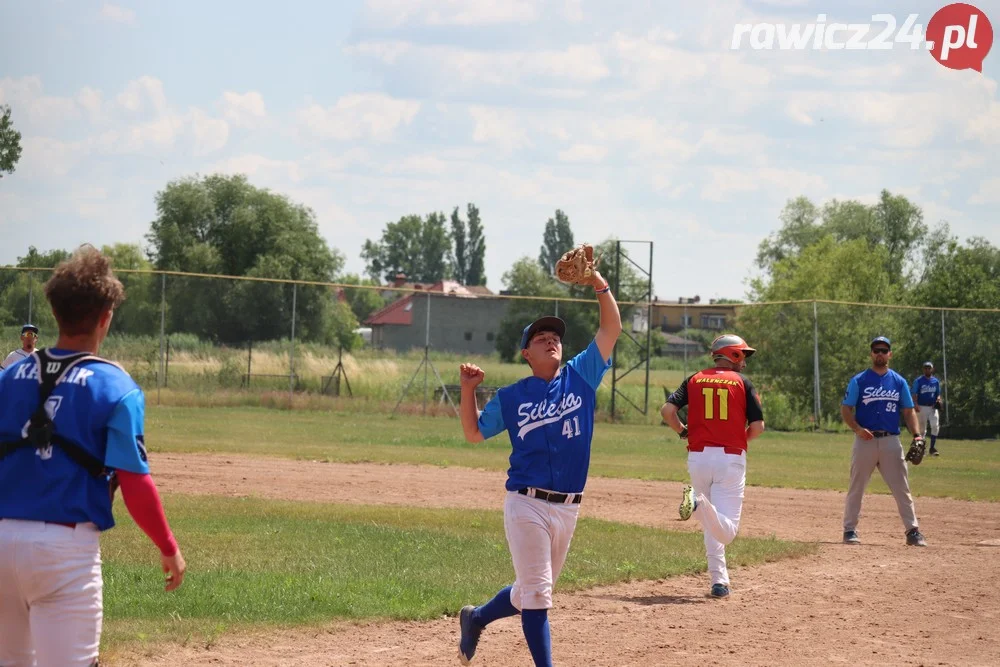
{"x":549,"y":418}
{"x":29,"y":336}
{"x":71,"y":428}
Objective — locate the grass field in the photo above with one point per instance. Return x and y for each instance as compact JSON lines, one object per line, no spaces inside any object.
{"x":255,"y":562}
{"x":968,"y":469}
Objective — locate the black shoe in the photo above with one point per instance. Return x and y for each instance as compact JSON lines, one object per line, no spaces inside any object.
{"x":934,"y":452}
{"x":914,"y":538}
{"x":851,"y":537}
{"x":720,"y":591}
{"x":470,"y":635}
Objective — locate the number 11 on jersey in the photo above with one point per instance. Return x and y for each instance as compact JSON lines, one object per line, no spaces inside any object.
{"x":568,"y":425}
{"x":709,"y":395}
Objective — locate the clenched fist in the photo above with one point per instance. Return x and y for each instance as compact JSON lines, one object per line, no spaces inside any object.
{"x":470,"y":376}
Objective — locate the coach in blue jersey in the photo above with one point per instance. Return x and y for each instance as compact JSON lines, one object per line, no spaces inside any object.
{"x":549,"y":417}
{"x":872,"y":406}
{"x":927,"y":396}
{"x":70,"y":429}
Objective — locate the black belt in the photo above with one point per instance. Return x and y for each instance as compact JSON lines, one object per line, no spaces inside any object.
{"x":561,"y":498}
{"x":883,"y":434}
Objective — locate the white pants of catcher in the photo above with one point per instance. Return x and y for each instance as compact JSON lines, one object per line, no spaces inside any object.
{"x":718,"y":479}
{"x":51,"y":594}
{"x":928,"y":415}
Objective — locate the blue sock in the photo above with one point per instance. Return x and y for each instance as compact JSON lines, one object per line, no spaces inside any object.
{"x":535,"y":623}
{"x":933,"y":441}
{"x":497,"y":608}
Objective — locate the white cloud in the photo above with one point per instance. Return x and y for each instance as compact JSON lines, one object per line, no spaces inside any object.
{"x":90,"y":100}
{"x":781,"y":183}
{"x":143,"y":94}
{"x":451,"y":12}
{"x":362,"y":115}
{"x":116,"y":14}
{"x":262,"y":168}
{"x":500,"y":127}
{"x":210,"y":134}
{"x":44,"y":157}
{"x":29,"y":102}
{"x":985,"y":127}
{"x":583,"y":153}
{"x":243,"y":110}
{"x":988,"y":193}
{"x":158,"y":134}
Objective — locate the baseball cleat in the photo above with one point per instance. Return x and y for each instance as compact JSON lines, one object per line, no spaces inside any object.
{"x":720,"y":591}
{"x":470,"y":635}
{"x":688,"y":504}
{"x":915,"y":539}
{"x":851,"y":537}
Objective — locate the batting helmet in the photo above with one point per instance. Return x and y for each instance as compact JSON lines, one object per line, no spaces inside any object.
{"x":731,"y":347}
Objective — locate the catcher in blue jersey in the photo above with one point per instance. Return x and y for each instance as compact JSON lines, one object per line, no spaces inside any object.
{"x":927,"y":397}
{"x":549,"y":418}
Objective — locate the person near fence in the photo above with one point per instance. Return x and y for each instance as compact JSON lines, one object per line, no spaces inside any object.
{"x":871,"y":408}
{"x":549,"y":417}
{"x":927,"y":397}
{"x":724,"y":415}
{"x":29,"y":336}
{"x":72,"y":430}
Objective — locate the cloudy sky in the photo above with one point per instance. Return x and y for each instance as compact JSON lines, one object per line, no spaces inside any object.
{"x":636,"y":118}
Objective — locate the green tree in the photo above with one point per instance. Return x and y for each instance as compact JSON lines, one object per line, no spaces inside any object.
{"x":363,"y":302}
{"x":556,"y":240}
{"x":412,"y":246}
{"x":10,"y":142}
{"x":21,"y":291}
{"x":223,"y":224}
{"x":140,"y":314}
{"x":459,"y":256}
{"x":475,"y":249}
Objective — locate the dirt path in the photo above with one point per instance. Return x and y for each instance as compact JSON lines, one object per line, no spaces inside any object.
{"x":876,"y":604}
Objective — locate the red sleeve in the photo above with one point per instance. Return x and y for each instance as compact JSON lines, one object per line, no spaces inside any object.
{"x":143,"y":503}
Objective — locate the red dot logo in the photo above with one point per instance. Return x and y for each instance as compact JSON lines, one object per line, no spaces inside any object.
{"x":960,"y":36}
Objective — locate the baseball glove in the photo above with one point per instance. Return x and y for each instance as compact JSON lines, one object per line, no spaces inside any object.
{"x":916,"y":452}
{"x":576,"y":267}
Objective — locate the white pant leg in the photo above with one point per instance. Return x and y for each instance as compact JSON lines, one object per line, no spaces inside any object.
{"x":923,"y":417}
{"x":59,"y":578}
{"x":538,"y":534}
{"x":718,"y":480}
{"x":935,"y":422}
{"x":15,"y":628}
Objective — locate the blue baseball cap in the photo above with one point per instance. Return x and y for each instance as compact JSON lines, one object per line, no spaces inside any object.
{"x":29,"y":327}
{"x":881,"y":339}
{"x":547,"y":323}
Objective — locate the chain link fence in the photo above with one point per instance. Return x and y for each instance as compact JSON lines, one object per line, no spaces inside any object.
{"x":206,"y":340}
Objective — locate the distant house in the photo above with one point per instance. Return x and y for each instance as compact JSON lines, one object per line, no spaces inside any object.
{"x":677,"y":346}
{"x":690,"y":313}
{"x":462,"y":319}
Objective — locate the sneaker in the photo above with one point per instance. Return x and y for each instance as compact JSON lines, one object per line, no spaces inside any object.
{"x":720,"y":591}
{"x":934,"y":452}
{"x":915,"y":539}
{"x":470,"y":635}
{"x":688,"y":503}
{"x":851,"y":537}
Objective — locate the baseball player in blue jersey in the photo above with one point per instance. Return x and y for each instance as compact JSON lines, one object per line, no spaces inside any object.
{"x":871,"y":408}
{"x":71,"y":429}
{"x":549,"y":417}
{"x":927,"y":396}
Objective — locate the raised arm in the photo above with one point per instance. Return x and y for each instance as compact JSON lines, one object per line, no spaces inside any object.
{"x":470,"y":377}
{"x":611,"y":318}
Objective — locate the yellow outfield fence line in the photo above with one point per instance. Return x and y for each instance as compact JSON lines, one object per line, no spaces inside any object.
{"x":389,"y":288}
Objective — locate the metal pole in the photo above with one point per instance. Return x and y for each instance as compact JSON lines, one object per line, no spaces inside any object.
{"x":163,"y":326}
{"x":291,"y":357}
{"x":31,"y":292}
{"x":816,"y":401}
{"x":649,"y":323}
{"x":944,"y":369}
{"x":614,"y":352}
{"x":684,"y":328}
{"x":427,"y":347}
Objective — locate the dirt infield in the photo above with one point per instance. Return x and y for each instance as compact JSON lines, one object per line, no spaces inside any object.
{"x":875,"y":604}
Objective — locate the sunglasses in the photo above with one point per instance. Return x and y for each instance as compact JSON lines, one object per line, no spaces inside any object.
{"x":29,"y":334}
{"x":880,"y":350}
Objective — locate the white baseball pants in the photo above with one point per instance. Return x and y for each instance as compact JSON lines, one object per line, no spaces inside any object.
{"x":928,"y":415}
{"x":718,"y":479}
{"x":538,"y":534}
{"x":51,"y":594}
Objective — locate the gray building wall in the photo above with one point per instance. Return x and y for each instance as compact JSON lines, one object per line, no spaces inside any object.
{"x":458,"y":324}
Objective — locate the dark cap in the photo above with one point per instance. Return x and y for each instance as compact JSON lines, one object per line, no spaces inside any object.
{"x":29,"y":327}
{"x":928,"y":364}
{"x":548,"y":323}
{"x":881,"y":339}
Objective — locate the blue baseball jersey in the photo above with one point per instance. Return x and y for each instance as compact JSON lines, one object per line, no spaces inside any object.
{"x":877,"y":399}
{"x":550,"y":424}
{"x":97,"y":406}
{"x":926,"y":390}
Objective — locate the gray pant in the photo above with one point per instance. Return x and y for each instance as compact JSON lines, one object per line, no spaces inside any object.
{"x":886,"y":454}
